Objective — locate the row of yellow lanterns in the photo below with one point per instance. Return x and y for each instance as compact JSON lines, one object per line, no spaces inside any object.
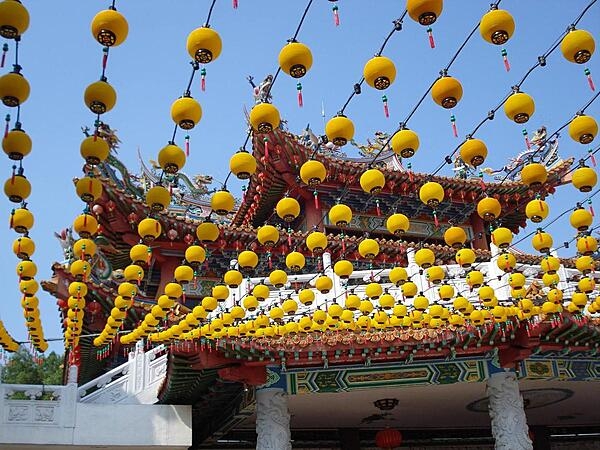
{"x":14,"y":91}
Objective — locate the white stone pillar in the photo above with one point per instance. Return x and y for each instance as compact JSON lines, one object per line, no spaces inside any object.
{"x":509,"y":423}
{"x":272,"y":420}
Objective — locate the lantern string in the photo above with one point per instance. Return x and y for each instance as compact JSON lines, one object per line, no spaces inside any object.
{"x":210,"y":10}
{"x":541,"y":62}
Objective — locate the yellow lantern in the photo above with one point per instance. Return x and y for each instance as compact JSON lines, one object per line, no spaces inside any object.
{"x":204,"y":45}
{"x":372,"y":181}
{"x":149,"y":229}
{"x":85,"y":225}
{"x":474,"y":279}
{"x":250,"y":303}
{"x":264,"y":117}
{"x":14,"y":19}
{"x":365,"y":307}
{"x":17,"y":188}
{"x":506,"y":262}
{"x":550,"y":264}
{"x":14,"y":89}
{"x":455,"y":237}
{"x":207,"y":231}
{"x":186,"y":112}
{"x":220,"y":292}
{"x":278,"y":278}
{"x":405,"y":143}
{"x":373,"y":290}
{"x":23,"y":247}
{"x":88,"y":189}
{"x":461,"y":304}
{"x":295,"y":59}
{"x":579,"y":299}
{"x":550,"y":279}
{"x":140,"y":254}
{"x":248,"y":260}
{"x":343,"y":269}
{"x":447,"y":92}
{"x":379,"y":72}
{"x":26,"y":270}
{"x":431,"y":194}
{"x":306,"y":297}
{"x":581,"y":219}
{"x":158,"y":198}
{"x":316,"y":242}
{"x":421,"y":303}
{"x":542,"y":241}
{"x":233,"y":278}
{"x":587,"y":245}
{"x":424,"y":12}
{"x":80,"y":269}
{"x":489,"y":209}
{"x":398,"y":276}
{"x":222,"y":202}
{"x":497,"y":26}
{"x":133,"y":273}
{"x":537,"y":210}
{"x":583,"y":129}
{"x":473,"y":152}
{"x":295,"y":261}
{"x":109,"y":28}
{"x":368,"y":248}
{"x":289,"y":306}
{"x":397,"y":224}
{"x":586,"y":285}
{"x":261,"y":291}
{"x":242,"y":164}
{"x":424,"y":258}
{"x":519,"y":107}
{"x":100,"y":97}
{"x":171,"y":158}
{"x":578,"y":46}
{"x":585,"y":264}
{"x":288,"y":209}
{"x":16,"y":143}
{"x":268,"y":235}
{"x":21,"y":220}
{"x":127,"y":290}
{"x":339,"y":130}
{"x":313,"y":172}
{"x":323,"y":284}
{"x":502,"y":237}
{"x":340,"y":215}
{"x":276,"y":314}
{"x":465,"y":257}
{"x":516,"y":280}
{"x":172,"y":290}
{"x":94,"y":150}
{"x":352,"y":302}
{"x":584,"y":178}
{"x":435,"y":274}
{"x":518,"y":293}
{"x":555,"y":296}
{"x":534,"y":175}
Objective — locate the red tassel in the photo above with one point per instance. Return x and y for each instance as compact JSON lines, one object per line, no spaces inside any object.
{"x":270,"y":261}
{"x":336,"y":16}
{"x":453,"y":122}
{"x":203,"y":79}
{"x":435,"y":220}
{"x":541,"y":206}
{"x":289,"y":238}
{"x":386,"y":110}
{"x":592,"y":210}
{"x":593,"y":159}
{"x":482,"y":183}
{"x":300,"y":99}
{"x":149,"y":256}
{"x":7,"y":125}
{"x":316,"y":197}
{"x":378,"y":209}
{"x":505,"y":58}
{"x":4,"y":50}
{"x":431,"y":40}
{"x":266,"y":141}
{"x":526,"y":135}
{"x":104,"y":57}
{"x":343,"y":246}
{"x":235,"y":4}
{"x":588,"y":74}
{"x":187,"y":146}
{"x":183,"y":296}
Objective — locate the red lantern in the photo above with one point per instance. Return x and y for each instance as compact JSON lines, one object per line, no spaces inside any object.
{"x":97,"y":209}
{"x":132,"y":218}
{"x":93,"y":308}
{"x":172,"y":234}
{"x":62,"y":303}
{"x":188,"y":239}
{"x":388,"y":439}
{"x":111,"y":206}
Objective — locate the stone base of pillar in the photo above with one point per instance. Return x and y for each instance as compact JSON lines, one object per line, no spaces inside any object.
{"x":509,"y":423}
{"x":272,"y":420}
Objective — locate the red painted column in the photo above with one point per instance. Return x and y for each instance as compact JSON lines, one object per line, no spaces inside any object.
{"x":479,"y":226}
{"x":167,"y":269}
{"x":312,"y":215}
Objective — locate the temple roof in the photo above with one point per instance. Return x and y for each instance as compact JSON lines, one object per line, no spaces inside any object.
{"x":279,"y":174}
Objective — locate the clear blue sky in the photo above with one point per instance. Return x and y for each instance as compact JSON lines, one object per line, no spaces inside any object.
{"x":60,"y":58}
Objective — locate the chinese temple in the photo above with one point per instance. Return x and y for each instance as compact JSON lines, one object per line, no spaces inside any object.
{"x":340,"y":302}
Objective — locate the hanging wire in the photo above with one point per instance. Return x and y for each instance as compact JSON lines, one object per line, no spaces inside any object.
{"x":210,"y":10}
